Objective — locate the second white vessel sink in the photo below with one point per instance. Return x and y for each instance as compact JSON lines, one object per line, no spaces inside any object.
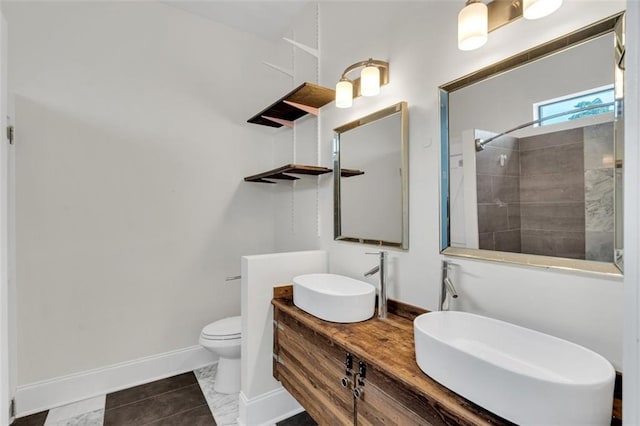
{"x":334,"y":297}
{"x":525,"y":376}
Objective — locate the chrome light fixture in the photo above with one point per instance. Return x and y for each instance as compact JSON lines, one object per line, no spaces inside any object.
{"x":477,"y":19}
{"x":375,"y":73}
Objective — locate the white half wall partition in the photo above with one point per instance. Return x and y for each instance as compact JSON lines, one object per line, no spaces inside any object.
{"x":263,"y":400}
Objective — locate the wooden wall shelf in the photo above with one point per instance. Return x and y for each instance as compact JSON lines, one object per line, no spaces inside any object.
{"x":284,"y":173}
{"x":304,"y":99}
{"x":350,"y":172}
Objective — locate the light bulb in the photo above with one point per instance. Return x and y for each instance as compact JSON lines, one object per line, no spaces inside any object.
{"x":344,"y":94}
{"x":535,"y":9}
{"x":473,"y":23}
{"x":370,"y":81}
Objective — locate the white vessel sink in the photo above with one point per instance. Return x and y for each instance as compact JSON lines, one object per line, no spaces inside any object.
{"x":333,"y":297}
{"x":527,"y":377}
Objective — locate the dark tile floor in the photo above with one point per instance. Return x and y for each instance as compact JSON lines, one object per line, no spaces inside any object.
{"x":172,"y":401}
{"x":175,"y":401}
{"x":302,"y":419}
{"x":32,"y":420}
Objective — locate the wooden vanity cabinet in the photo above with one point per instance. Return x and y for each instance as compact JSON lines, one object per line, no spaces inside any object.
{"x":386,"y":402}
{"x":311,"y":368}
{"x":314,"y":370}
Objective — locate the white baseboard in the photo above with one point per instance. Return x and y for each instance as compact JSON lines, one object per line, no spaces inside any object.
{"x":268,"y":408}
{"x":40,"y":396}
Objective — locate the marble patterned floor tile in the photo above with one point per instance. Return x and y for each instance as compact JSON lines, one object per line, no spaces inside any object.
{"x":206,"y":372}
{"x":75,"y":410}
{"x":223,"y":407}
{"x":93,"y":418}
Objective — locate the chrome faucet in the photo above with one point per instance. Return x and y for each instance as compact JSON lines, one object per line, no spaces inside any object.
{"x":382,"y":294}
{"x":446,"y":286}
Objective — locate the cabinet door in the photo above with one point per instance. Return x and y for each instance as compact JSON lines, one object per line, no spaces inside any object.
{"x":384,"y":401}
{"x":311,"y":368}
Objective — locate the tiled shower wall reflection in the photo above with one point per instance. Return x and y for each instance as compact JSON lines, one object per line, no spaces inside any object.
{"x":551,"y":194}
{"x":599,"y":192}
{"x":498,"y":183}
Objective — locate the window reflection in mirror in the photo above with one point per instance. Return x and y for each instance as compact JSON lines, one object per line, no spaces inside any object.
{"x":371,"y":192}
{"x":534,"y":156}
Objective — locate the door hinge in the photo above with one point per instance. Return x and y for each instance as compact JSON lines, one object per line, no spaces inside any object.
{"x":10,"y":134}
{"x":12,"y":408}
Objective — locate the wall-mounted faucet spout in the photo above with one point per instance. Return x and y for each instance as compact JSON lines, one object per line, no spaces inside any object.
{"x":372,"y":270}
{"x":450,"y":288}
{"x":382,"y":293}
{"x":446,"y":287}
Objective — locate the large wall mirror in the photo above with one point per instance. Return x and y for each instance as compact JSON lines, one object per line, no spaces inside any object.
{"x":532,"y":155}
{"x":371,"y":192}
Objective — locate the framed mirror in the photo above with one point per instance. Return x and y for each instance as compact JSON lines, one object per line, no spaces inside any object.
{"x":532,"y":155}
{"x":371,"y":192}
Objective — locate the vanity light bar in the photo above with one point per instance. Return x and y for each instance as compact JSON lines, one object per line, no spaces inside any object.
{"x":374,"y":74}
{"x":477,"y":19}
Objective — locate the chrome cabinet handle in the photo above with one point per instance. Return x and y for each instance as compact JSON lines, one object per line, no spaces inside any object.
{"x":358,"y":392}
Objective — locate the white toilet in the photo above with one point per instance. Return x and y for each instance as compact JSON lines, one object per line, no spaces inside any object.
{"x":223,"y":338}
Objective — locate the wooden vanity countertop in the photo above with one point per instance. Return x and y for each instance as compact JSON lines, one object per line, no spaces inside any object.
{"x":388,"y":345}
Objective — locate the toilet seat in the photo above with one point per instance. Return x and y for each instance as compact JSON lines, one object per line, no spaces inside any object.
{"x":224,"y":329}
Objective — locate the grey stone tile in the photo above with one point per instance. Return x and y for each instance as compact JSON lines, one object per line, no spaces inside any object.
{"x":564,"y":137}
{"x":598,"y":146}
{"x":483,"y":185}
{"x":506,"y":189}
{"x":510,"y":241}
{"x":137,"y":393}
{"x":485,"y":241}
{"x":552,"y":187}
{"x":599,"y":246}
{"x":554,"y":243}
{"x":553,"y":216}
{"x":199,"y":416}
{"x":156,"y":407}
{"x":599,"y":200}
{"x":492,"y":218}
{"x":36,"y":419}
{"x":557,"y":159}
{"x":513,"y":216}
{"x":488,"y":162}
{"x":302,"y":419}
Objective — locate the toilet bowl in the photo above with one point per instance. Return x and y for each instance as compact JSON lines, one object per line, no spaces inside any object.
{"x":223,"y":338}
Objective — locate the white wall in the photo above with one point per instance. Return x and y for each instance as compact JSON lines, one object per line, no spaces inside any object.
{"x":132,"y":145}
{"x":7,"y":330}
{"x":419,"y":41}
{"x":631,"y":382}
{"x":263,"y":400}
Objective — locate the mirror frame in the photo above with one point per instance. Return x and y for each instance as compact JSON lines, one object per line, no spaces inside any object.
{"x":402,"y":108}
{"x":605,"y":26}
